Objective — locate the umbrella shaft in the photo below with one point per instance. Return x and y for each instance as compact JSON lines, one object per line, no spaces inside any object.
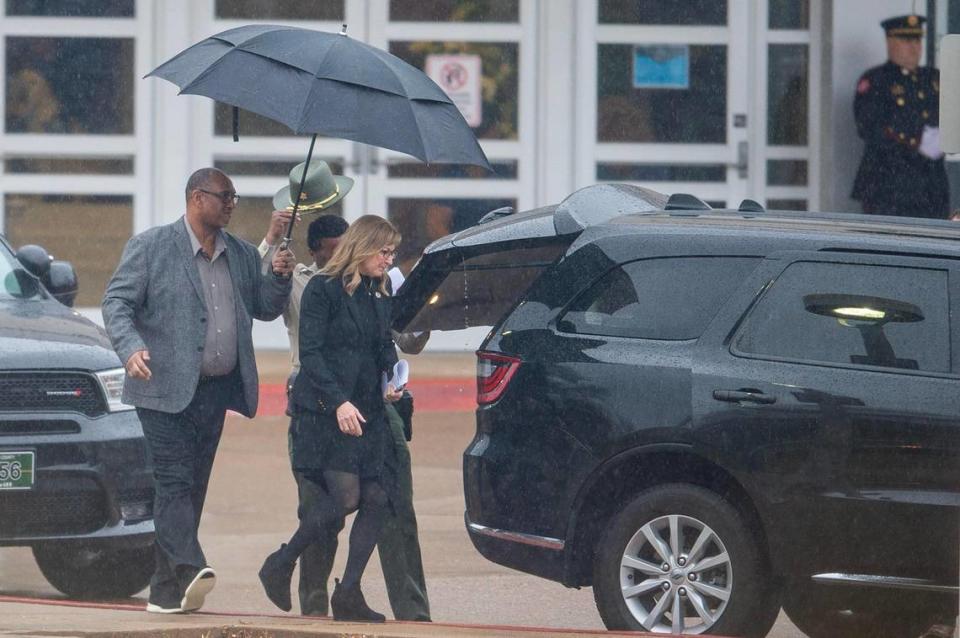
{"x":296,"y":201}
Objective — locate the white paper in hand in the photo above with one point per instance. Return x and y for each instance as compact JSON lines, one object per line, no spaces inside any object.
{"x":396,"y":279}
{"x":399,"y":378}
{"x":930,"y":143}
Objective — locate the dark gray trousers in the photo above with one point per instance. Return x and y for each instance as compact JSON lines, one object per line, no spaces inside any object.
{"x":181,"y":448}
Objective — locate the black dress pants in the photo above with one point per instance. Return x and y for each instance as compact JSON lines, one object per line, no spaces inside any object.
{"x":181,"y":447}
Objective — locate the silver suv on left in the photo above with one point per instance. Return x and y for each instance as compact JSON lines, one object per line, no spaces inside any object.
{"x":75,"y":481}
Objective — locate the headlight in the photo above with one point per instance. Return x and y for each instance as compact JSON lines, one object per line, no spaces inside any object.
{"x":111,"y":382}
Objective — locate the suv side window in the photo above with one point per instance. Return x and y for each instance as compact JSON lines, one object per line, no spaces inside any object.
{"x":885,"y":316}
{"x":672,"y":298}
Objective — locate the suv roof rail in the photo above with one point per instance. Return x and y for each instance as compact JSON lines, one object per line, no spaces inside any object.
{"x":685,"y":201}
{"x":496,"y":213}
{"x":596,"y":204}
{"x":751,"y":206}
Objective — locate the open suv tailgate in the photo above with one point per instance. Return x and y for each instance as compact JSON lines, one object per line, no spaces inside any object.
{"x":472,"y":278}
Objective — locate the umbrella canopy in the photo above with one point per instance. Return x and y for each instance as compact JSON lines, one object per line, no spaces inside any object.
{"x":329,"y":84}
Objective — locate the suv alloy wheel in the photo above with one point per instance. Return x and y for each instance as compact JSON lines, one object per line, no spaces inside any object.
{"x":679,"y":559}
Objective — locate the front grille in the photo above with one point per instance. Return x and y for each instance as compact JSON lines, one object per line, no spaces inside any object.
{"x":40,"y":426}
{"x":51,"y":392}
{"x":77,"y":506}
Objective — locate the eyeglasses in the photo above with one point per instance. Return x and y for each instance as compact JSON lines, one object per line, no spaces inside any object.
{"x":386,"y":253}
{"x":227,"y":197}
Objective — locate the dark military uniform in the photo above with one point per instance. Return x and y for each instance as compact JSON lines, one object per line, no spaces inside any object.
{"x":891,"y":107}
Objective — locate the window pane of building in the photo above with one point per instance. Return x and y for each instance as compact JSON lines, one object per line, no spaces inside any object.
{"x":787,"y":84}
{"x":455,"y":10}
{"x":89,"y":231}
{"x":270,"y":168}
{"x":789,"y":14}
{"x":280,"y":9}
{"x":787,"y":204}
{"x":622,"y":172}
{"x":68,"y":165}
{"x":73,"y":8}
{"x":69,"y":85}
{"x":786,"y":172}
{"x":701,"y":12}
{"x":251,"y":124}
{"x":499,"y":63}
{"x":420,"y":221}
{"x":506,"y":169}
{"x":628,"y":111}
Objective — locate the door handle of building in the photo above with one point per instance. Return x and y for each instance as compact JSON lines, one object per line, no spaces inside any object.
{"x":743,"y":159}
{"x":744,"y":395}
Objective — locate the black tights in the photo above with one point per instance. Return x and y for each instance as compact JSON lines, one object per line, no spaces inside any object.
{"x":345,"y":493}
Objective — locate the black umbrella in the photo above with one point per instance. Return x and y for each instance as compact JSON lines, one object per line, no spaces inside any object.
{"x":329,"y":84}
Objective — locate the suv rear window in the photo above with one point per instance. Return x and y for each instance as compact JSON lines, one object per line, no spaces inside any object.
{"x":671,"y":298}
{"x":885,"y":316}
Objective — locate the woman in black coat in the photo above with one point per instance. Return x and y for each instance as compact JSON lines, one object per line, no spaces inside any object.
{"x":340,"y":431}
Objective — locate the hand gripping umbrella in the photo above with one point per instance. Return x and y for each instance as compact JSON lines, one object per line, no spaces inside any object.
{"x":326,"y":83}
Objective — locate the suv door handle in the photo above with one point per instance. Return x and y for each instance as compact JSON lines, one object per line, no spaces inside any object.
{"x":747,"y":395}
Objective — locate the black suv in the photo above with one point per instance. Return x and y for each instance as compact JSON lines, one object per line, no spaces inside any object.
{"x":75,"y":484}
{"x":710,"y":414}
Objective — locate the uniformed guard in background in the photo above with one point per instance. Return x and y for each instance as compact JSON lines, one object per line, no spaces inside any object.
{"x":897,"y":112}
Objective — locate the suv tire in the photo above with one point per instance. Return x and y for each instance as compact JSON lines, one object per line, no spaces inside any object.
{"x":710,"y":554}
{"x":86,"y":573}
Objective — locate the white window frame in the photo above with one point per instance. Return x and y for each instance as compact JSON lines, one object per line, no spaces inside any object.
{"x":136,"y":145}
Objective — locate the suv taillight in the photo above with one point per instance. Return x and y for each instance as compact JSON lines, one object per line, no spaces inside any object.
{"x":494,"y":372}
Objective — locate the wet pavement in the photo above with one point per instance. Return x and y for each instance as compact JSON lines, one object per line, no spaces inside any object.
{"x":251,"y":509}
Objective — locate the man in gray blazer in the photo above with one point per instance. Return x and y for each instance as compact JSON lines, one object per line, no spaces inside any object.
{"x":179,"y":311}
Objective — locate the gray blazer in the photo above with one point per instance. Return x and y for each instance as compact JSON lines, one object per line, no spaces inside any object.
{"x":154,"y":302}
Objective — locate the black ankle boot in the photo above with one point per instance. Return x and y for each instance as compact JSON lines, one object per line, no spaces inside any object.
{"x":275,"y":576}
{"x":348,"y":604}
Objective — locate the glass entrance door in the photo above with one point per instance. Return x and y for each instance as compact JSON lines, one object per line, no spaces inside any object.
{"x":708,"y":97}
{"x":490,"y":45}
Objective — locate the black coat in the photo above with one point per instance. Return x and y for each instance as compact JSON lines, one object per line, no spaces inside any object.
{"x":891,"y":107}
{"x":329,"y":340}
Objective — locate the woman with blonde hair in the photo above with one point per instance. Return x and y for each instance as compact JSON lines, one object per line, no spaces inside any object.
{"x":340,"y":432}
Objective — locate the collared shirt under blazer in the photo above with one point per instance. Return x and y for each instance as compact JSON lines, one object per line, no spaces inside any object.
{"x":154,"y":302}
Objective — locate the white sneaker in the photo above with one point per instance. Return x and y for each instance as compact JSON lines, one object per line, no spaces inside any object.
{"x":157,"y":609}
{"x":195,"y":592}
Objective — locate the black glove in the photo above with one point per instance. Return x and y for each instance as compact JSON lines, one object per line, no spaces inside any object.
{"x":404,"y":407}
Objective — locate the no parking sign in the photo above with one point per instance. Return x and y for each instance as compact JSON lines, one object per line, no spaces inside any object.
{"x":459,"y":77}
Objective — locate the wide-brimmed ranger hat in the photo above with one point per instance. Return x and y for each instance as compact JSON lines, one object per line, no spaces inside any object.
{"x":321,"y":189}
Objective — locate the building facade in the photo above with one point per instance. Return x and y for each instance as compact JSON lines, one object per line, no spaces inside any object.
{"x":725,"y":99}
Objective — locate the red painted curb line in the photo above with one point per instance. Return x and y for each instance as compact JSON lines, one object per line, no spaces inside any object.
{"x":141,"y":607}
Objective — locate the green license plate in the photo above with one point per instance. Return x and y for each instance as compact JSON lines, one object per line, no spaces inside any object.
{"x":16,"y":470}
